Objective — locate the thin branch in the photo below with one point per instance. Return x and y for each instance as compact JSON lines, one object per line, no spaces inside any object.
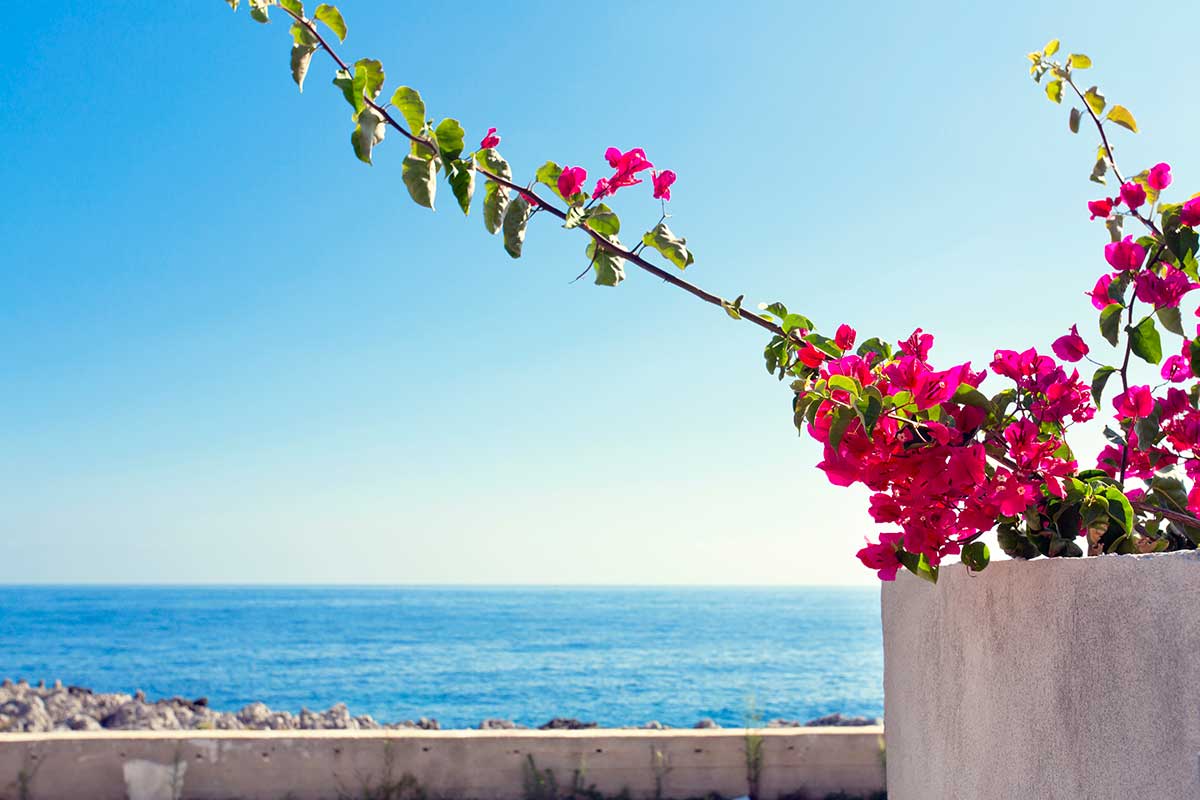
{"x":600,"y":241}
{"x":1166,"y":513}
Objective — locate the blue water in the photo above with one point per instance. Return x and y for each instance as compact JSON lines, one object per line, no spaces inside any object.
{"x":617,"y":656}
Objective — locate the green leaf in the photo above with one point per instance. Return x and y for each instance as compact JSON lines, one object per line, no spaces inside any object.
{"x":1144,"y":341}
{"x":495,"y":203}
{"x":449,"y":135}
{"x":609,"y":267}
{"x":258,"y":10}
{"x":461,"y":175}
{"x":303,"y":47}
{"x":1170,"y":319}
{"x":515,"y":220}
{"x":673,"y":248}
{"x":1110,"y":322}
{"x":870,"y":407}
{"x":420,"y":178}
{"x":368,"y":132}
{"x":368,"y":77}
{"x":778,"y":309}
{"x":875,"y":345}
{"x":412,"y":108}
{"x":233,"y":4}
{"x":1054,"y":90}
{"x":1114,"y":224}
{"x":548,"y":174}
{"x":345,"y":81}
{"x":844,"y":383}
{"x":294,"y":6}
{"x":1098,"y":170}
{"x":493,"y":162}
{"x":824,"y":344}
{"x":1119,"y":508}
{"x":968,"y":395}
{"x":1094,"y":100}
{"x":603,"y":221}
{"x":1121,"y":116}
{"x":1051,"y":48}
{"x":1147,"y":429}
{"x":1099,"y":379}
{"x":976,"y":556}
{"x":575,"y":217}
{"x":1194,"y":356}
{"x":792,"y":322}
{"x":1078,"y":61}
{"x":918,"y":565}
{"x":333,"y":19}
{"x":1073,"y":122}
{"x":734,"y":309}
{"x":842,"y":417}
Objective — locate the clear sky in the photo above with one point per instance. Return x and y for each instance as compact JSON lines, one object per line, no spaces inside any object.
{"x":233,"y":353}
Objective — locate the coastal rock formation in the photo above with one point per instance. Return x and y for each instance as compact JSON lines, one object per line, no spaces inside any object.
{"x":33,"y":709}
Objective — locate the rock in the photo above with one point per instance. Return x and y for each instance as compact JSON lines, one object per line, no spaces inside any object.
{"x":566,"y":724}
{"x":428,"y":724}
{"x":139,"y":716}
{"x":81,"y":722}
{"x":366,"y":722}
{"x":497,"y":725}
{"x":784,"y":723}
{"x":27,"y":716}
{"x":706,"y":723}
{"x":653,"y":725}
{"x":842,"y":721}
{"x":338,"y":718}
{"x":255,"y":716}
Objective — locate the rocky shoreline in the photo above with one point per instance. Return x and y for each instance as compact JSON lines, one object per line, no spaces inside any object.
{"x":26,"y":708}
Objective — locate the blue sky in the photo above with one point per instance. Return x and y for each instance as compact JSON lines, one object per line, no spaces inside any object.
{"x":233,"y":353}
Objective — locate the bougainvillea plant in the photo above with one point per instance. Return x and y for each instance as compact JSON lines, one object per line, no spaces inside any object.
{"x":946,"y":462}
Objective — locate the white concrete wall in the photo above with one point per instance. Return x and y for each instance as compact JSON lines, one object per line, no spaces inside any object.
{"x":1063,"y":679}
{"x":487,"y":765}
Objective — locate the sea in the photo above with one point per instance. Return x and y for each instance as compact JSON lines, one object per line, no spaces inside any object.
{"x":618,"y":656}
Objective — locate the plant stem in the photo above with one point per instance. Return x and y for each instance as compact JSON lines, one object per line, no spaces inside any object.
{"x":600,"y":241}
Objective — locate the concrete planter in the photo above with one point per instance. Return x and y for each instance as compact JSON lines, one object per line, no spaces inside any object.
{"x":1049,"y":679}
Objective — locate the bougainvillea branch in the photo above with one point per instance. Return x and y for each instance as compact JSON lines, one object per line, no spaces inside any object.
{"x":430,"y":146}
{"x":945,"y":462}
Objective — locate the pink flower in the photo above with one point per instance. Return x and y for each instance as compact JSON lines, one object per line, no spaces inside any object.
{"x":1189,"y":215}
{"x":1100,"y":208}
{"x":491,"y":140}
{"x":627,"y":166}
{"x":662,"y":183}
{"x":1165,"y":292}
{"x":844,"y":338}
{"x":1159,"y":177}
{"x":882,"y":556}
{"x":810,"y":356}
{"x":1099,"y":292}
{"x":1125,"y":254}
{"x":1176,"y":369}
{"x":1135,"y":403}
{"x":601,"y":189}
{"x":570,"y":181}
{"x":1133,"y":195}
{"x":1070,"y":347}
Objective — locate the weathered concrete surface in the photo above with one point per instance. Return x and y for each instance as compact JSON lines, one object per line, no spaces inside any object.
{"x":1051,"y":679}
{"x":262,"y":765}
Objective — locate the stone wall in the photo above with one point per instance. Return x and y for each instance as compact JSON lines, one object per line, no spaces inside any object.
{"x":259,"y":765}
{"x":1051,"y":679}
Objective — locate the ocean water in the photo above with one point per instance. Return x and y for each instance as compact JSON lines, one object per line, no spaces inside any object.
{"x":617,"y":656}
